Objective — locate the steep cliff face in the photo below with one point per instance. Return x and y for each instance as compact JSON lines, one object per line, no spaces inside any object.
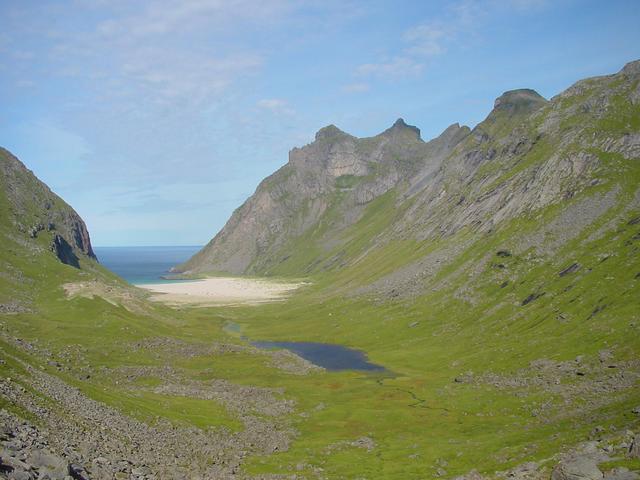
{"x":341,"y":200}
{"x":36,"y":218}
{"x":323,"y":189}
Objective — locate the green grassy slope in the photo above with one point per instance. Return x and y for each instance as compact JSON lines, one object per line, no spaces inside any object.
{"x":429,"y":341}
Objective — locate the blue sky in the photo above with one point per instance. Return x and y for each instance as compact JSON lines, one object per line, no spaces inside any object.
{"x":156,"y":119}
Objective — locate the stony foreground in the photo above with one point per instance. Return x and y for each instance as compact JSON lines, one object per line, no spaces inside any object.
{"x":26,"y":454}
{"x":81,"y":438}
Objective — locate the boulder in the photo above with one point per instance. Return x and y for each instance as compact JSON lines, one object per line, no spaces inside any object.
{"x":579,"y":468}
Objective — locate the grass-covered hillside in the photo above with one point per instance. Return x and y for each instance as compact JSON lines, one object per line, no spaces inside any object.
{"x":494,"y":273}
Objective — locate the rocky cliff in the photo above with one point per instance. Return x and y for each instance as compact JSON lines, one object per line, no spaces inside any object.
{"x":342,"y":199}
{"x":38,"y":217}
{"x":324,"y":188}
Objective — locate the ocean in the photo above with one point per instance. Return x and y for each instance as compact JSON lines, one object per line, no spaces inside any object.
{"x":140,"y":265}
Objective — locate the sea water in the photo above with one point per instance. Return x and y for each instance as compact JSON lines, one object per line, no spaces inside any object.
{"x":143,"y":265}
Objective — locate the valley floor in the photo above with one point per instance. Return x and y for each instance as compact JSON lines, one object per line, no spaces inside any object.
{"x":113,"y":387}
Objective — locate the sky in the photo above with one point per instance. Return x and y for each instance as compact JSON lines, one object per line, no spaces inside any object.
{"x":156,"y":119}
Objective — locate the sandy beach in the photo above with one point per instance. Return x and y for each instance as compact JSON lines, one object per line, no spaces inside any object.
{"x":220,"y":291}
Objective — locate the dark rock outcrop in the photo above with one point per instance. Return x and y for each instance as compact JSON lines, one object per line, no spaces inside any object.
{"x":64,"y":251}
{"x":574,"y":267}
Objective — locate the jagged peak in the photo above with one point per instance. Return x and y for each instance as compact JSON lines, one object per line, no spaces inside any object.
{"x":523,"y":99}
{"x":401,"y":127}
{"x":451,"y":130}
{"x":453,"y":133}
{"x":330,"y":132}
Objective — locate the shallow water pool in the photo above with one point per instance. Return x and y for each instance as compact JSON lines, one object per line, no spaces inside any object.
{"x":327,"y":355}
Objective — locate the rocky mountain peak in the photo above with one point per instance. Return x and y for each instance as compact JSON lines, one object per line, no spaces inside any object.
{"x":523,"y":100}
{"x":331,"y":133}
{"x":400,"y":127}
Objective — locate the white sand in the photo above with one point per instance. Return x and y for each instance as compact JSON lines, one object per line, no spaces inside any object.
{"x":221,"y":291}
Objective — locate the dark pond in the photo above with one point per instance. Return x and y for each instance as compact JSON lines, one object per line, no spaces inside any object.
{"x":331,"y":357}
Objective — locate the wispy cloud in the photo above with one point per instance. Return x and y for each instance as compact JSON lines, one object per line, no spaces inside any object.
{"x":428,"y":39}
{"x":276,"y":105}
{"x":164,"y":17}
{"x":422,"y":42}
{"x":359,"y":87}
{"x":456,"y":26}
{"x":162,"y":51}
{"x":394,"y":67}
{"x":179,"y":75}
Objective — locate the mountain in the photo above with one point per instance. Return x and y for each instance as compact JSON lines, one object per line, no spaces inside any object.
{"x":324,"y":188}
{"x":38,"y":217}
{"x":42,"y":237}
{"x":342,"y":200}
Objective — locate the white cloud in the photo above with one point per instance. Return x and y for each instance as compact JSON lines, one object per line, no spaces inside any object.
{"x":163,"y":51}
{"x":178,"y":75}
{"x":434,"y":37}
{"x":272,"y":103}
{"x":276,"y":105}
{"x":427,"y":40}
{"x":179,"y":16}
{"x":402,"y":66}
{"x":422,"y":42}
{"x":356,"y":88}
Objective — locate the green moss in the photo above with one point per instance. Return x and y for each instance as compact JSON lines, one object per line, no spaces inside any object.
{"x":347,"y":181}
{"x":629,"y":463}
{"x":622,"y":117}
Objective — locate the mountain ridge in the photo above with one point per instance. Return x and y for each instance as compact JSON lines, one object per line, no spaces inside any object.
{"x":502,"y":153}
